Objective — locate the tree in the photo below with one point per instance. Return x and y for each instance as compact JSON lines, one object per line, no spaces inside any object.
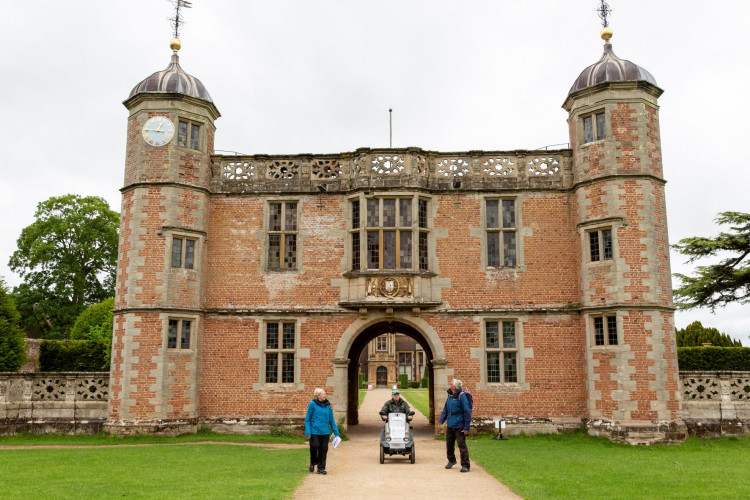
{"x":12,"y":344}
{"x":695,"y":335}
{"x":719,"y":284}
{"x":67,"y":257}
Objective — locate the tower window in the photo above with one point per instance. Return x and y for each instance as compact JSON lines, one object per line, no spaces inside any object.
{"x":183,"y":252}
{"x":600,"y":245}
{"x":188,"y":134}
{"x":179,"y":333}
{"x":594,"y":127}
{"x":605,"y":330}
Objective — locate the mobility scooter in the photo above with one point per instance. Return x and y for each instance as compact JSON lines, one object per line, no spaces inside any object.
{"x":397,"y":438}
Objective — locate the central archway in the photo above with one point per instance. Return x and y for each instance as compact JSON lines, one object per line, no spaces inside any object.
{"x":356,"y":338}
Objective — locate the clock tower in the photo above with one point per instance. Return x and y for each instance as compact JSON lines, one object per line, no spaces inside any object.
{"x":162,"y":251}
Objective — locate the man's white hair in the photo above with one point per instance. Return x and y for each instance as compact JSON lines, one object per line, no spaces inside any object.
{"x":457,"y":383}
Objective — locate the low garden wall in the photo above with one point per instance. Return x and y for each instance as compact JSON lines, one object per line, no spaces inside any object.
{"x":715,"y":403}
{"x":67,"y":402}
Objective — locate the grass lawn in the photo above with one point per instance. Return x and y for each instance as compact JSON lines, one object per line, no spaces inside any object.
{"x":576,"y":465}
{"x":362,"y":394}
{"x":198,"y":471}
{"x":418,"y":399}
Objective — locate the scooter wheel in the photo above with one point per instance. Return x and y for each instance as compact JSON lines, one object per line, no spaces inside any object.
{"x":411,"y":455}
{"x":382,"y":454}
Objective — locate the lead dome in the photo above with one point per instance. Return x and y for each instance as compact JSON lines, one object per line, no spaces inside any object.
{"x":172,"y":80}
{"x":608,"y":69}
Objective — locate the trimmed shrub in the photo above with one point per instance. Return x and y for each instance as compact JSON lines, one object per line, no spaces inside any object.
{"x":403,"y":381}
{"x":362,"y":381}
{"x":12,"y":343}
{"x":426,"y":379}
{"x":713,"y":358}
{"x":74,"y":355}
{"x":415,"y":384}
{"x":95,"y":322}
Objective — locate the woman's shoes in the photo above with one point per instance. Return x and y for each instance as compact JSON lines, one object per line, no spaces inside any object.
{"x":312,"y":468}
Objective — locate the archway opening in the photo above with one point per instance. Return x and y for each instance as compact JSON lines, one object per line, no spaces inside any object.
{"x":360,"y":344}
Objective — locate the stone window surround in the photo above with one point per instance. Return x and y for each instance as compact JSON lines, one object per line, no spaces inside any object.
{"x":194,"y":319}
{"x":188,"y":138}
{"x":384,"y":343}
{"x":299,"y":240}
{"x":600,"y":231}
{"x":169,"y":233}
{"x":591,"y":333}
{"x":415,"y":197}
{"x":524,"y":353}
{"x":592,"y":113}
{"x":260,"y":354}
{"x":518,"y":230}
{"x":611,"y":223}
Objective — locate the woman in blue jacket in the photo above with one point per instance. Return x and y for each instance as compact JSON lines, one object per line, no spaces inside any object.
{"x":318,"y":424}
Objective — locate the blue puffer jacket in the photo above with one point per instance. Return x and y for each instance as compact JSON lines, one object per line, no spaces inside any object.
{"x":456,"y":411}
{"x":319,"y":419}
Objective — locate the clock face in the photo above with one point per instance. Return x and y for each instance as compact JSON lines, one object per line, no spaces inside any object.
{"x":158,"y":130}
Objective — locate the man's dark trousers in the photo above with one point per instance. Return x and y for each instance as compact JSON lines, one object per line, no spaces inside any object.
{"x":451,"y":436}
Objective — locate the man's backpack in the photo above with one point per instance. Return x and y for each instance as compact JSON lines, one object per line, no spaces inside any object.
{"x":469,"y":398}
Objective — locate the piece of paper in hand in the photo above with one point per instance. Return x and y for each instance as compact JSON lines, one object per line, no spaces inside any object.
{"x":336,"y":441}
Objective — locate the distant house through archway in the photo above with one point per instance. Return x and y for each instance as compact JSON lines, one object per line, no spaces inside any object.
{"x":359,"y":344}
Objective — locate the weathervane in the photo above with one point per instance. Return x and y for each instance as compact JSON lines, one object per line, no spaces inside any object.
{"x":604,"y":11}
{"x":177,"y":20}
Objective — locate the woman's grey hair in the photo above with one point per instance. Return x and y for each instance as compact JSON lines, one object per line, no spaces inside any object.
{"x":457,"y":383}
{"x":317,"y":392}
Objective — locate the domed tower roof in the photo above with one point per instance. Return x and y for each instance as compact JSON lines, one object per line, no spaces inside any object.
{"x":610,"y":68}
{"x":173,"y":80}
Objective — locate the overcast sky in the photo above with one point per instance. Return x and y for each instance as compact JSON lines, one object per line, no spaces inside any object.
{"x":301,"y":76}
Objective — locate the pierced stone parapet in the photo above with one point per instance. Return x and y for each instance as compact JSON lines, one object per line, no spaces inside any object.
{"x":393,"y":168}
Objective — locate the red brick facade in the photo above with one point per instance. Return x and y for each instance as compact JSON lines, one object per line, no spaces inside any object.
{"x":547,"y":298}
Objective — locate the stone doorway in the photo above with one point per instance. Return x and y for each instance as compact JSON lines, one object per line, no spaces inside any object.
{"x":382,"y":377}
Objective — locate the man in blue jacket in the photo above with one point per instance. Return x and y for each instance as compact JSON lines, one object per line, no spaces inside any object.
{"x":458,"y":414}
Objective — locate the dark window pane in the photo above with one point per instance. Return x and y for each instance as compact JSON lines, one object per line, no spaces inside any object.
{"x":423,"y":257}
{"x":272,"y":368}
{"x":182,"y":134}
{"x":382,"y":344}
{"x":509,"y":213}
{"x":373,"y":218}
{"x":195,"y":136}
{"x":389,"y":250}
{"x":272,"y":335}
{"x":290,"y":251}
{"x":509,"y":334}
{"x":588,"y":133}
{"x":493,"y":249}
{"x":355,"y":251}
{"x":389,"y":213}
{"x":509,"y":366}
{"x":600,"y":127}
{"x":594,"y":245}
{"x":612,"y":329}
{"x":404,"y":212}
{"x":423,"y":214}
{"x":607,"y":243}
{"x":290,"y":217}
{"x":189,"y":253}
{"x":599,"y":331}
{"x":287,"y":368}
{"x":172,"y":334}
{"x":493,"y":367}
{"x":287,"y":339}
{"x":185,"y":338}
{"x":176,"y":252}
{"x":355,"y":214}
{"x":405,"y":250}
{"x":509,"y":248}
{"x":373,"y":250}
{"x":274,"y":251}
{"x":274,"y":217}
{"x":493,"y":220}
{"x":492,"y":335}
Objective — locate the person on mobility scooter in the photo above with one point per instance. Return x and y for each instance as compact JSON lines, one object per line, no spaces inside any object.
{"x":396,"y":438}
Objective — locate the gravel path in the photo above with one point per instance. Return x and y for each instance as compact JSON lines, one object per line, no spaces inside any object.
{"x":354,"y":469}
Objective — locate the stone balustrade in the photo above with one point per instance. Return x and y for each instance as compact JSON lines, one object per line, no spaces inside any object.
{"x":715,"y":403}
{"x":393,"y":168}
{"x":65,"y":402}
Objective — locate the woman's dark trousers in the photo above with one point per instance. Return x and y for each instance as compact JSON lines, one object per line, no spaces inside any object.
{"x":319,"y":450}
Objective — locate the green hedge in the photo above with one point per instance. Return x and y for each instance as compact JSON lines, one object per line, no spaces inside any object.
{"x":74,"y":355}
{"x":403,"y":381}
{"x":714,"y":358}
{"x":415,"y":384}
{"x":362,"y":380}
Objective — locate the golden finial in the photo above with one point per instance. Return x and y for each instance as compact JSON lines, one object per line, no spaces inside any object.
{"x":606,"y":33}
{"x":175,"y":44}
